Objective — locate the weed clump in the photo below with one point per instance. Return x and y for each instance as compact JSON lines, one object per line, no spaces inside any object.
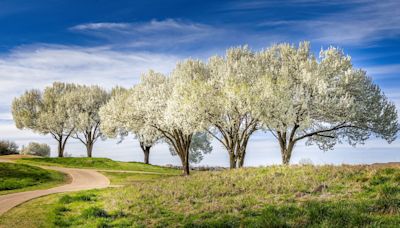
{"x":94,"y":212}
{"x":76,"y":198}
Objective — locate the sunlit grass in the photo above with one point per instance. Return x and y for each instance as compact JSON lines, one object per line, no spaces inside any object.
{"x":21,"y":177}
{"x":98,"y":163}
{"x":297,"y":196}
{"x":127,"y":178}
{"x":275,"y":196}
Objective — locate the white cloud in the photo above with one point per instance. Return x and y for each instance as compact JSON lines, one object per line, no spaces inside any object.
{"x":143,"y":27}
{"x":96,"y":26}
{"x":383,"y":70}
{"x":176,"y":36}
{"x":36,"y":67}
{"x":369,"y":22}
{"x":155,"y":33}
{"x":394,"y":96}
{"x":357,"y":23}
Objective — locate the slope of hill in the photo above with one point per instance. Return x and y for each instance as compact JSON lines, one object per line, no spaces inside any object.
{"x":20,"y":177}
{"x":98,"y":163}
{"x":294,"y":196}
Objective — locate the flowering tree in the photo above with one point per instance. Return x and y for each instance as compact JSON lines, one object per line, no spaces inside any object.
{"x":117,"y":121}
{"x":225,"y":99}
{"x":156,"y":108}
{"x":46,"y":112}
{"x":157,"y":102}
{"x":324,"y":100}
{"x":183,"y":119}
{"x":84,"y":103}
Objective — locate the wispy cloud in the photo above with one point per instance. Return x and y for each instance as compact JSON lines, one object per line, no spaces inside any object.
{"x":354,"y":22}
{"x":152,"y":26}
{"x":38,"y":66}
{"x":177,"y":36}
{"x":369,"y":22}
{"x":383,"y":71}
{"x":97,"y":26}
{"x":157,"y":34}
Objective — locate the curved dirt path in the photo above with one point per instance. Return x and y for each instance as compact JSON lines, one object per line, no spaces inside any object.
{"x":81,"y":179}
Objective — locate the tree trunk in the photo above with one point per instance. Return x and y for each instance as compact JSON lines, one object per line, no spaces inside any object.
{"x":89,"y":148}
{"x":181,"y":144}
{"x":146,"y":152}
{"x":241,"y":158}
{"x":242,"y":150}
{"x":60,"y":149}
{"x":61,"y":142}
{"x":232,"y":159}
{"x":183,"y":154}
{"x":286,"y":153}
{"x":235,"y":142}
{"x":186,"y":164}
{"x":285,"y":156}
{"x":237,"y":155}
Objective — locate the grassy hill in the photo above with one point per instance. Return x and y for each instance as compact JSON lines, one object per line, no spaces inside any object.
{"x":98,"y":163}
{"x":277,"y":196}
{"x":296,"y":196}
{"x":20,"y":177}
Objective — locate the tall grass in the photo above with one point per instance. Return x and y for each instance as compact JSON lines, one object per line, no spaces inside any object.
{"x":297,"y":196}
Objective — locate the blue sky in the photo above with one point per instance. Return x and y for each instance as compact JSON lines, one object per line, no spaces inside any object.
{"x":112,"y":42}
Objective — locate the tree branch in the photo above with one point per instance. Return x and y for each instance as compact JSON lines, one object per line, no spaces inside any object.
{"x":337,"y":127}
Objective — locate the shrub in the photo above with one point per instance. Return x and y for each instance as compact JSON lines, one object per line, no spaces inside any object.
{"x":37,"y":149}
{"x":8,"y":147}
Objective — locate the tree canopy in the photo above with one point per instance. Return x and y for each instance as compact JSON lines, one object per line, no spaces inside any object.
{"x":85,"y":103}
{"x":46,"y":112}
{"x":117,"y":120}
{"x":284,"y":89}
{"x":324,"y":100}
{"x":62,"y":110}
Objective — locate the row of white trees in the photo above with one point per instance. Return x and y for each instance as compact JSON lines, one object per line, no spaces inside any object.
{"x":66,"y":110}
{"x":284,"y":89}
{"x":63,"y":111}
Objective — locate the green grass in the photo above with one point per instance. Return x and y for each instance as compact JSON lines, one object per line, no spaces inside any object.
{"x":98,"y":163}
{"x":59,"y":210}
{"x":352,"y":196}
{"x":34,"y":213}
{"x":122,"y":178}
{"x":21,"y":177}
{"x":83,"y":209}
{"x":276,"y":197}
